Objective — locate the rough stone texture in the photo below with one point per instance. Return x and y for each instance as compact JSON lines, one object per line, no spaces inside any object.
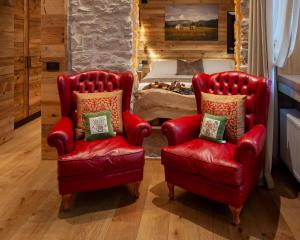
{"x":244,"y":34}
{"x":101,"y":34}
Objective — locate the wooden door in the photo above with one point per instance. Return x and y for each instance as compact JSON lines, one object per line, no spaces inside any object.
{"x":28,"y":66}
{"x":34,"y":53}
{"x":20,"y":64}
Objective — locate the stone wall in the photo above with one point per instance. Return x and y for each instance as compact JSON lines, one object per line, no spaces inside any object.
{"x":101,"y":34}
{"x":244,"y":35}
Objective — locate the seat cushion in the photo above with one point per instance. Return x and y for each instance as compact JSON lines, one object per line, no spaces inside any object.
{"x":207,"y":159}
{"x":102,"y":156}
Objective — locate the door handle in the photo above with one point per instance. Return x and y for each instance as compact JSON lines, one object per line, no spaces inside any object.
{"x":25,"y":62}
{"x":29,"y":62}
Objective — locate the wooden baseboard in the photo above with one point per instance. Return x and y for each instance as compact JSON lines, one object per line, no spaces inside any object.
{"x":27,"y":119}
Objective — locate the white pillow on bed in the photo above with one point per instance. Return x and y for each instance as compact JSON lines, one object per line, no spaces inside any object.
{"x":163,"y":67}
{"x":211,"y":66}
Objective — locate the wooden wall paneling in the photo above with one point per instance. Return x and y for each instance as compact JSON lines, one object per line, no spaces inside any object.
{"x":34,"y":52}
{"x":152,"y":43}
{"x":20,"y":71}
{"x":27,"y":50}
{"x":6,"y":70}
{"x":53,"y":48}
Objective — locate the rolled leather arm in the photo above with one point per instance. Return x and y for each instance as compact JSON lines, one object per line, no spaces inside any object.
{"x":136,"y":128}
{"x":61,"y":136}
{"x":182,"y":129}
{"x":251,"y":143}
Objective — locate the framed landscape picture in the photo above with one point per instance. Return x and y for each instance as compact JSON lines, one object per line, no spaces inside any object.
{"x":191,"y":23}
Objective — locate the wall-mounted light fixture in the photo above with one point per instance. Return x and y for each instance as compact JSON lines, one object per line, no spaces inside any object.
{"x":237,"y":32}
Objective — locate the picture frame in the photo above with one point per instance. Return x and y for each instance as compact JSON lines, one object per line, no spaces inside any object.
{"x":192,"y":22}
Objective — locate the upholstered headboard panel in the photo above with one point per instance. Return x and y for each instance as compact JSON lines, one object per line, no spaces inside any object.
{"x":162,"y":68}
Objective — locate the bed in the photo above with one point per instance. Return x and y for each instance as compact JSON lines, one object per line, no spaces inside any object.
{"x":166,"y":71}
{"x":156,"y":103}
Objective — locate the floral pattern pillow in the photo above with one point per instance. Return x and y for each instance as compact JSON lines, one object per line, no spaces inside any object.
{"x":97,"y":102}
{"x":98,"y":125}
{"x":213,"y":127}
{"x":230,"y":106}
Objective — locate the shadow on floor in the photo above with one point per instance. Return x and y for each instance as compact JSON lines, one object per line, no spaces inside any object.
{"x":99,"y":201}
{"x":260,"y":217}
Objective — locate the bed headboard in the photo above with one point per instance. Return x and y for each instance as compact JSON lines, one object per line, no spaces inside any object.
{"x":210,"y":66}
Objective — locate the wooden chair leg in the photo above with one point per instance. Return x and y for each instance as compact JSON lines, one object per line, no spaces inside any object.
{"x":135,"y":189}
{"x":66,"y":202}
{"x":171,"y":191}
{"x":235,"y":215}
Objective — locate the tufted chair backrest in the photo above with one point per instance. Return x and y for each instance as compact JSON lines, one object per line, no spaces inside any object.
{"x":90,"y":82}
{"x":257,"y":90}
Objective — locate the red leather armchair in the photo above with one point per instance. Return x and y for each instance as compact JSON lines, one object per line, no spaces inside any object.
{"x":222,"y":172}
{"x":85,"y":166}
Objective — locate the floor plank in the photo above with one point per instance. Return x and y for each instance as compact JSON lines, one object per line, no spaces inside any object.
{"x":29,"y":205}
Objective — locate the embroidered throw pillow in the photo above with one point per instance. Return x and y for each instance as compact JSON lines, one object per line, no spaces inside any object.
{"x":230,"y":106}
{"x":97,"y":102}
{"x":213,"y":128}
{"x":98,"y":125}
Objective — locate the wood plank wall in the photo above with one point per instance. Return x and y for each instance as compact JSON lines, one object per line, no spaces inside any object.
{"x":152,"y":43}
{"x":53,"y":48}
{"x":21,"y":49}
{"x":34,"y":51}
{"x":27,"y":93}
{"x":6,"y":70}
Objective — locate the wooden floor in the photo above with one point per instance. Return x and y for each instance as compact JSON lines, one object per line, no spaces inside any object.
{"x":29,"y":205}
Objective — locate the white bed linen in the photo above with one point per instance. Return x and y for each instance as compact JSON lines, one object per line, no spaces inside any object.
{"x":211,"y":66}
{"x":165,"y":71}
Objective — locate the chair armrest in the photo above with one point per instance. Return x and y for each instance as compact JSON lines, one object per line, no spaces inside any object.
{"x":136,"y":128}
{"x":251,"y":143}
{"x":182,"y":129}
{"x":61,"y":136}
